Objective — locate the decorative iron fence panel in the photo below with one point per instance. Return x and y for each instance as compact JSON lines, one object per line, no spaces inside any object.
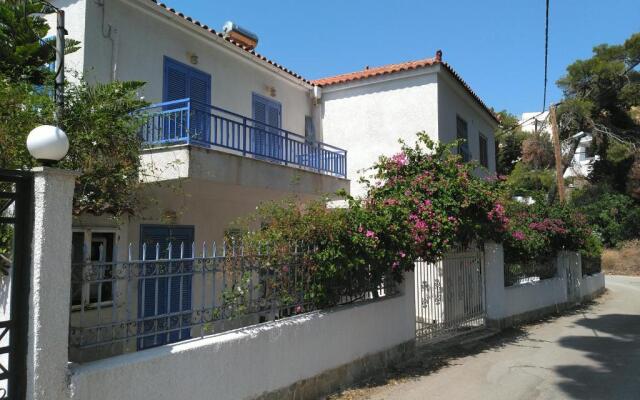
{"x":591,"y":265}
{"x":16,"y":205}
{"x":519,"y":273}
{"x":450,"y":296}
{"x":133,"y":305}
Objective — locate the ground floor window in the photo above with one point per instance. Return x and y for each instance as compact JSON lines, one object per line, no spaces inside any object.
{"x":91,"y":247}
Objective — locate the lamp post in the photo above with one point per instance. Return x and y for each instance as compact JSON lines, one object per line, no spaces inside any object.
{"x":59,"y":66}
{"x":48,"y":144}
{"x":59,"y":83}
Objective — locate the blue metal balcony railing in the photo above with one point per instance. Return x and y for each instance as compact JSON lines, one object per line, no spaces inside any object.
{"x":190,"y":122}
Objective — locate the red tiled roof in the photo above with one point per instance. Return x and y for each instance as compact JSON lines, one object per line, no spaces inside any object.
{"x":212,"y":31}
{"x":371,"y":72}
{"x":405,"y":66}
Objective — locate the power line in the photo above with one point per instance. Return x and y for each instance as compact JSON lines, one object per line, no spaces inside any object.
{"x":546,"y":56}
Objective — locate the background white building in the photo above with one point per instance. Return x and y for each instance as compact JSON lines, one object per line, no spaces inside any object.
{"x":582,"y":161}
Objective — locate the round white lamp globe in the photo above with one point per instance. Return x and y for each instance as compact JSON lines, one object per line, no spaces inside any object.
{"x":48,"y":143}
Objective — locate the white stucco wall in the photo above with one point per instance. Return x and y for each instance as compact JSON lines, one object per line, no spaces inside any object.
{"x":591,"y":284}
{"x":142,"y":33}
{"x":368,"y":117}
{"x":224,"y":366}
{"x":520,"y":299}
{"x":513,"y":301}
{"x":453,"y":100}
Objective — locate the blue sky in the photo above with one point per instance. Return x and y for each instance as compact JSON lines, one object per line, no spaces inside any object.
{"x":496,"y":46}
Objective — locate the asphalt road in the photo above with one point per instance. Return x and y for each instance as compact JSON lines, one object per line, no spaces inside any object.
{"x":592,"y":353}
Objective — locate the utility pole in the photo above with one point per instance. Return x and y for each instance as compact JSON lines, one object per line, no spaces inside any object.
{"x":59,"y":82}
{"x":557,"y":151}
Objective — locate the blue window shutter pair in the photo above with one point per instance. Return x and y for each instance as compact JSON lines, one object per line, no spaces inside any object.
{"x":182,"y":81}
{"x":160,"y":296}
{"x":267,"y":141}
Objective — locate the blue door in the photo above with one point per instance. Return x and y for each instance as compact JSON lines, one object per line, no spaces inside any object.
{"x":267,"y":139}
{"x":180,"y":82}
{"x":165,"y":288}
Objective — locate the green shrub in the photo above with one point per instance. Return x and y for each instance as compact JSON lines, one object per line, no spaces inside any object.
{"x":614,"y":216}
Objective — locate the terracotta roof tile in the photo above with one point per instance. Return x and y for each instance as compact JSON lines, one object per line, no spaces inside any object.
{"x":405,"y":66}
{"x":376,"y":71}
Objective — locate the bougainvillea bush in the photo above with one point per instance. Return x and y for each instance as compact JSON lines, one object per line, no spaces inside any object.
{"x":437,"y":201}
{"x":421,"y":203}
{"x":538,"y":231}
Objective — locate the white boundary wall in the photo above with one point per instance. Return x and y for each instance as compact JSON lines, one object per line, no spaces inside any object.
{"x":527,"y":297}
{"x":505,"y":305}
{"x":248,"y":362}
{"x":591,"y":285}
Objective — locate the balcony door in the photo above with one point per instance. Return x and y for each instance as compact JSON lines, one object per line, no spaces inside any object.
{"x":267,"y":140}
{"x":182,"y":81}
{"x":165,"y":288}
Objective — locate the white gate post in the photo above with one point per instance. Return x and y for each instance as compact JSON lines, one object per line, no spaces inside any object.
{"x":494,"y":282}
{"x":408,"y":288}
{"x":47,"y":354}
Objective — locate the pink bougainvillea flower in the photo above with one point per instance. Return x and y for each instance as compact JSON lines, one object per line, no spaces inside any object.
{"x":518,"y":235}
{"x":285,"y":269}
{"x":370,"y":234}
{"x":400,"y":159}
{"x":299,"y":309}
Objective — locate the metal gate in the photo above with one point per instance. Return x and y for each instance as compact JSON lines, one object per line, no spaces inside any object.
{"x":16,"y":188}
{"x":450,"y":296}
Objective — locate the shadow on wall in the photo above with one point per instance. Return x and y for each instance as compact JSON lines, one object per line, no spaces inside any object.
{"x":615,"y":348}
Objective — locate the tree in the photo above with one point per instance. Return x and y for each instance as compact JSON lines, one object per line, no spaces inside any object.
{"x":509,"y":137}
{"x":100,"y":120}
{"x":602,"y":94}
{"x":24,"y":52}
{"x":537,"y":151}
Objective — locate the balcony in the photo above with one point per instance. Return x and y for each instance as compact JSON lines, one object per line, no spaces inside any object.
{"x":189,"y":122}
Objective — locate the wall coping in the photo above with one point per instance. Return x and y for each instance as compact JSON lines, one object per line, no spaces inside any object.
{"x":214,"y":339}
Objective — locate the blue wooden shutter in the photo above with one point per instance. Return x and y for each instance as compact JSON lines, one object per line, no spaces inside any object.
{"x":180,"y":82}
{"x":180,"y":287}
{"x":175,"y":88}
{"x":151,"y":236}
{"x":275,"y":138}
{"x":267,"y":141}
{"x":175,"y":82}
{"x":259,"y":133}
{"x":199,"y":89}
{"x":166,"y":290}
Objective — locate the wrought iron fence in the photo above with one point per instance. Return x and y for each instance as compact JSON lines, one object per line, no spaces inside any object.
{"x":187,"y":121}
{"x":591,"y":265}
{"x":170,"y":295}
{"x":524,"y":272}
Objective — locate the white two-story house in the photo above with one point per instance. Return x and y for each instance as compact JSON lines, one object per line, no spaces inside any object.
{"x":367,"y":111}
{"x":228,"y":130}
